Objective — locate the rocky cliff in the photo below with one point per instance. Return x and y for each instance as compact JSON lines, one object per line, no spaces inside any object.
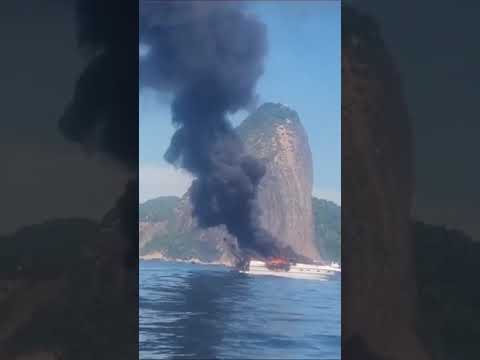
{"x":377,"y":181}
{"x":274,"y":134}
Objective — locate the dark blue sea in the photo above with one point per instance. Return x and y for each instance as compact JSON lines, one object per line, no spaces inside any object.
{"x":209,"y":312}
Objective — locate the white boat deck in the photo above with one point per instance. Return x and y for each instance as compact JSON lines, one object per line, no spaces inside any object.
{"x":297,"y":271}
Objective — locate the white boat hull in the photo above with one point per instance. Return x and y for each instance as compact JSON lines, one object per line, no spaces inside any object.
{"x":297,"y":271}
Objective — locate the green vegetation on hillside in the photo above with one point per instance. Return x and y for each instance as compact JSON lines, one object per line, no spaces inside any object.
{"x":447,"y":266}
{"x":185,"y":245}
{"x":327,"y":220}
{"x":158,"y":209}
{"x":175,"y":244}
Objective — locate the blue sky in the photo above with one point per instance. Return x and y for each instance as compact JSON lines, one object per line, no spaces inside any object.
{"x":302,"y":70}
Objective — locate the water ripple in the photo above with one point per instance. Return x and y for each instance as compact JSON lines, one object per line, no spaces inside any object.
{"x":208,"y":312}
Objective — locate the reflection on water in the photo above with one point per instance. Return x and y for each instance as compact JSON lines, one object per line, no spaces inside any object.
{"x":188,"y":311}
{"x":207,"y":312}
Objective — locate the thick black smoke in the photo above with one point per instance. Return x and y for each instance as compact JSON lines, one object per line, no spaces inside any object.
{"x":210,"y":55}
{"x":103,"y":113}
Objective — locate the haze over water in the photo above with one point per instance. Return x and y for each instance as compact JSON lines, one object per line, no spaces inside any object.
{"x":209,"y":312}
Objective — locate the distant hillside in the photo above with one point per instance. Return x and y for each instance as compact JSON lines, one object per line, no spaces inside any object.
{"x":158,"y":209}
{"x":185,"y":245}
{"x":161,"y":230}
{"x":448,"y":263}
{"x":327,"y":224}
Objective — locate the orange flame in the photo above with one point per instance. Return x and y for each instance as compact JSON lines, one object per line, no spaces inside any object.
{"x":278,"y":261}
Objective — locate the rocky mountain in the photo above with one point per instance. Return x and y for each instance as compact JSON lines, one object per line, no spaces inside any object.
{"x":378,"y":274}
{"x":274,"y":134}
{"x":161,"y":243}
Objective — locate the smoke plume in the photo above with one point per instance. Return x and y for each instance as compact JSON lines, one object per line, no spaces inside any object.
{"x":210,"y":56}
{"x":103,"y":113}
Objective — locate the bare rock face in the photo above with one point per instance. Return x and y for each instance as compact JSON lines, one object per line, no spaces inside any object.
{"x":377,"y":183}
{"x":274,"y":134}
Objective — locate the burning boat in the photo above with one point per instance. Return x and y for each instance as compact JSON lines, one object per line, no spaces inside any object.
{"x":285,"y":268}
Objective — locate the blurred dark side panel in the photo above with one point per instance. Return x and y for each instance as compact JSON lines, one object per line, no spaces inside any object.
{"x":410,"y":175}
{"x":69,"y":193}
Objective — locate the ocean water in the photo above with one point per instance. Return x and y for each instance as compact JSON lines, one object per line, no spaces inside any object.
{"x":209,"y":312}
